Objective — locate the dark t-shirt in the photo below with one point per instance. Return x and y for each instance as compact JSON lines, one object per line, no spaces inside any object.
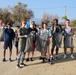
{"x":56,"y":29}
{"x":33,"y":31}
{"x":9,"y":34}
{"x":22,"y":32}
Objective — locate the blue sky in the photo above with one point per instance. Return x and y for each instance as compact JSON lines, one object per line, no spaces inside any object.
{"x":55,"y":7}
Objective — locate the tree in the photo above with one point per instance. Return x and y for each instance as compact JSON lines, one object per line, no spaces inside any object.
{"x":20,"y":12}
{"x":73,"y":23}
{"x":1,"y":15}
{"x":49,"y":18}
{"x":5,"y":15}
{"x":64,"y":18}
{"x":45,"y":18}
{"x":16,"y":13}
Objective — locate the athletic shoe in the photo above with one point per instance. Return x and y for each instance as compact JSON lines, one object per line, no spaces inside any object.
{"x":31,"y":59}
{"x":4,"y":60}
{"x":18,"y":66}
{"x":56,"y":57}
{"x":52,"y":58}
{"x":40,"y":58}
{"x":22,"y":65}
{"x":10,"y":59}
{"x":51,"y":63}
{"x":72,"y":56}
{"x":27,"y":59}
{"x":64,"y":56}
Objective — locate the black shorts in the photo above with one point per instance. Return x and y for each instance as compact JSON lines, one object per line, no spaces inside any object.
{"x":16,"y":44}
{"x":7,"y":44}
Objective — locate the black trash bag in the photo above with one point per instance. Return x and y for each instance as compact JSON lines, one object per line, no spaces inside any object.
{"x":57,"y":39}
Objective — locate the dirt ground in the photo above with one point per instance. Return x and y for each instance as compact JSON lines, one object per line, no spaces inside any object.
{"x":60,"y":67}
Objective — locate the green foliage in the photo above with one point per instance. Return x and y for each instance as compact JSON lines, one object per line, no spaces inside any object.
{"x":20,"y":12}
{"x":64,"y":17}
{"x":73,"y":22}
{"x":5,"y":15}
{"x":16,"y":13}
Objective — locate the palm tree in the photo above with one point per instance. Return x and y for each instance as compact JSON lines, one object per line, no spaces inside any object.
{"x":64,"y":18}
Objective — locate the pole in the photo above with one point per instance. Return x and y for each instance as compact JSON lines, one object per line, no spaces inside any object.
{"x":65,"y":11}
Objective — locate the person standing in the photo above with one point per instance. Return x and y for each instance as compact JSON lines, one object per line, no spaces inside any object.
{"x":56,"y":31}
{"x":68,"y":39}
{"x":8,"y":38}
{"x":23,"y":33}
{"x":32,"y":31}
{"x":45,"y":41}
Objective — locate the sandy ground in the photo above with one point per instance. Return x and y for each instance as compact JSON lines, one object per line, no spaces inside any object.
{"x":61,"y":67}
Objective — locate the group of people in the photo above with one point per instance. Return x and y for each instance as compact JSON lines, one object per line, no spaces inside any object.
{"x":28,"y":39}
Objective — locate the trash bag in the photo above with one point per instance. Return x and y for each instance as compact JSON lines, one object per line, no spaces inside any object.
{"x":29,"y":44}
{"x":68,"y":41}
{"x":57,"y":39}
{"x":41,"y":43}
{"x":38,"y":43}
{"x":2,"y":35}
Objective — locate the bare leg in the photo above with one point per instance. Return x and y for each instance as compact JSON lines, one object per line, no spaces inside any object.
{"x":71,"y":50}
{"x":4,"y":53}
{"x":52,"y":50}
{"x":16,"y":51}
{"x":10,"y":53}
{"x":48,"y":52}
{"x":57,"y":50}
{"x":72,"y":56}
{"x":33,"y":51}
{"x":43,"y":57}
{"x":65,"y":50}
{"x":28,"y":56}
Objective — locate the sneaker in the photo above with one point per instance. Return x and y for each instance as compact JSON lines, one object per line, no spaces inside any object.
{"x":31,"y":59}
{"x":16,"y":58}
{"x":51,"y":63}
{"x":52,"y":58}
{"x":22,"y":65}
{"x":18,"y":66}
{"x":40,"y":58}
{"x":43,"y":60}
{"x":27,"y":59}
{"x":72,"y":56}
{"x":64,"y":56}
{"x":4,"y":60}
{"x":10,"y":59}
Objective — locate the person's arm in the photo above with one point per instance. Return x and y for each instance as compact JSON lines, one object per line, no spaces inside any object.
{"x":21,"y":36}
{"x":13,"y":34}
{"x":72,"y":30}
{"x":50,"y":35}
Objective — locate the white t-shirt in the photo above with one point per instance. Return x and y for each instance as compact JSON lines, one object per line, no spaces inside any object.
{"x":46,"y":33}
{"x":68,"y":30}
